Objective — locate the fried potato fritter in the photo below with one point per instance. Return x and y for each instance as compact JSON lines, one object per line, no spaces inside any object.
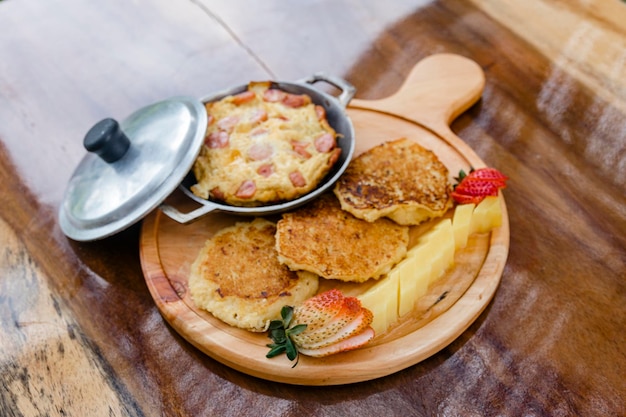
{"x":332,"y":243}
{"x":400,"y":180}
{"x":237,"y":277}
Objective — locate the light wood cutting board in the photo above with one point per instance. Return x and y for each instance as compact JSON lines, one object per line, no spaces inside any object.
{"x":436,"y":91}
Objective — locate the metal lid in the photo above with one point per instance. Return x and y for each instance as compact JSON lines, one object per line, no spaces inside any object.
{"x":132,"y":167}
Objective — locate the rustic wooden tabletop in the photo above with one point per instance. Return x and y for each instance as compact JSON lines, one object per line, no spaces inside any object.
{"x":80,"y":333}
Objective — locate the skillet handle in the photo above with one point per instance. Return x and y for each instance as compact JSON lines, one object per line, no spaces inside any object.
{"x":347,"y":90}
{"x":184,"y":218}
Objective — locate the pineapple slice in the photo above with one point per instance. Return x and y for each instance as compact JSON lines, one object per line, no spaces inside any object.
{"x":461,"y":224}
{"x":447,"y":243}
{"x":487,"y":215}
{"x":424,"y":264}
{"x":414,"y":279}
{"x":396,"y":294}
{"x":440,"y":240}
{"x":382,"y":300}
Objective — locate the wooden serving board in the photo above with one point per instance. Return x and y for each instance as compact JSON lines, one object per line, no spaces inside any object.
{"x":437,"y":90}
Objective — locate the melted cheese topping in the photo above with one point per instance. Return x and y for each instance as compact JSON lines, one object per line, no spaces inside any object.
{"x":262,"y":146}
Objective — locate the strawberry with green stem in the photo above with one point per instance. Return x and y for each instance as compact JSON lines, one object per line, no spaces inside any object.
{"x":478,"y":184}
{"x":281,"y":334}
{"x":325,"y":324}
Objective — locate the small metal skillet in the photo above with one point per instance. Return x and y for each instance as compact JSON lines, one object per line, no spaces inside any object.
{"x":131,"y":167}
{"x":335,"y":112}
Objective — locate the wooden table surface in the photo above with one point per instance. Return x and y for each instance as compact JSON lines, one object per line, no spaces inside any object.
{"x":80,"y":334}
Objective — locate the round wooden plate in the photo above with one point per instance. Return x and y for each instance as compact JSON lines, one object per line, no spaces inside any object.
{"x":437,"y":90}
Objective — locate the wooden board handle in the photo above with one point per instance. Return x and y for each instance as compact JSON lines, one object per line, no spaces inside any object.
{"x":436,"y":91}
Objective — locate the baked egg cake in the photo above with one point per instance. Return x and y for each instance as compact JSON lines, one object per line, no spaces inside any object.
{"x":237,"y":277}
{"x":264,"y":145}
{"x":398,"y":179}
{"x":330,"y":242}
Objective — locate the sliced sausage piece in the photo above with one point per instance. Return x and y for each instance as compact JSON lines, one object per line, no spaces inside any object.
{"x":334,"y":157}
{"x":265,"y":170}
{"x":227,"y":123}
{"x":217,"y":193}
{"x":247,"y":189}
{"x":299,"y":147}
{"x":274,"y":95}
{"x":260,"y":151}
{"x":219,"y":139}
{"x":297,"y":179}
{"x":325,"y":143}
{"x":244,"y":97}
{"x":296,"y":100}
{"x":258,"y":116}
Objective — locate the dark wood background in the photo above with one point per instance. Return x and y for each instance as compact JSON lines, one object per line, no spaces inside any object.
{"x":80,"y":334}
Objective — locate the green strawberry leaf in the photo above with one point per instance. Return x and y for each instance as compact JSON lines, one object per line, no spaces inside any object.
{"x":287,"y":314}
{"x":275,"y":350}
{"x":280,"y":333}
{"x":291,"y":350}
{"x":297,"y":329}
{"x":462,"y":175}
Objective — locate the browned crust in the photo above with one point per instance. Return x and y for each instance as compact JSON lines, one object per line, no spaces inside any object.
{"x":238,"y":278}
{"x":328,"y":241}
{"x":396,"y":175}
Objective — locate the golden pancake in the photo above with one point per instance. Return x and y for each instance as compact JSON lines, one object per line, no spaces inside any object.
{"x":330,"y":242}
{"x":237,"y":277}
{"x":400,"y":180}
{"x":264,"y":146}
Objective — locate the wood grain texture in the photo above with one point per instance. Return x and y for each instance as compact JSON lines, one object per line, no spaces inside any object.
{"x":551,"y":116}
{"x":44,"y":349}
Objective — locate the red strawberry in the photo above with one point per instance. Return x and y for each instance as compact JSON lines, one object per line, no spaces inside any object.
{"x":466,"y":199}
{"x":344,"y":345}
{"x":489,"y":174}
{"x":318,"y":310}
{"x":324,"y":324}
{"x":351,"y":320}
{"x":477,"y":185}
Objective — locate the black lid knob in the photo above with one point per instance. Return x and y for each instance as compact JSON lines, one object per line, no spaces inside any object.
{"x":107,"y":140}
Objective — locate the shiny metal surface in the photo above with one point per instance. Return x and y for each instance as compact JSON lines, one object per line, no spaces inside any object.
{"x":104,"y":198}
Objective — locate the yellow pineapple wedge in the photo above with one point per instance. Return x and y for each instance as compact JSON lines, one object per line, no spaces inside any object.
{"x":395,"y":295}
{"x":440,"y":240}
{"x":382,"y":300}
{"x":487,"y":215}
{"x":461,"y":224}
{"x":414,"y":278}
